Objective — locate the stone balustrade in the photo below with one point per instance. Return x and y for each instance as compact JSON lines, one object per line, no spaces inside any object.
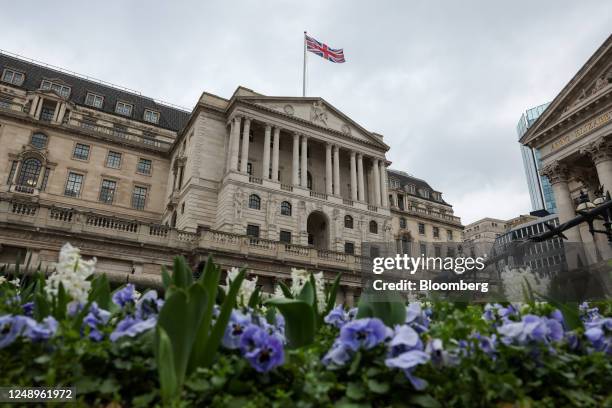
{"x":70,"y":220}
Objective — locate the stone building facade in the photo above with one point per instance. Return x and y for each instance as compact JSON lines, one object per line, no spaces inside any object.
{"x":272,"y":182}
{"x":574,"y":138}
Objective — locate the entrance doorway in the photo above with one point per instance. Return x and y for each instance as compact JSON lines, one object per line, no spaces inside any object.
{"x":317,"y":226}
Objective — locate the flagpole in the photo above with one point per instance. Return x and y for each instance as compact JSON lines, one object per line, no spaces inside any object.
{"x":304,"y":69}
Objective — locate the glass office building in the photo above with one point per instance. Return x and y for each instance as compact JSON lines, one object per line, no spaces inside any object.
{"x":540,"y":190}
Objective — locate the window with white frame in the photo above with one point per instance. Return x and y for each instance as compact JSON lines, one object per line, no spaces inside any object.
{"x":94,"y":100}
{"x":13,"y":77}
{"x":60,"y":89}
{"x":151,"y":116}
{"x":124,"y":108}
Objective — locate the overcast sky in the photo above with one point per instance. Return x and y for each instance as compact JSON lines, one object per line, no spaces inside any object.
{"x":444,"y":82}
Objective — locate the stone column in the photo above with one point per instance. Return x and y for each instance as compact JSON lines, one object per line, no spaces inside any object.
{"x":304,"y":163}
{"x":275,"y":147}
{"x":228,"y":154}
{"x":328,"y":169}
{"x":558,"y":175}
{"x":383,"y":185}
{"x":265,"y":172}
{"x":234,"y":143}
{"x":245,"y":145}
{"x":600,"y":152}
{"x":296,"y":160}
{"x":376,"y":183}
{"x":361,"y":185}
{"x":353,"y":177}
{"x":337,"y":189}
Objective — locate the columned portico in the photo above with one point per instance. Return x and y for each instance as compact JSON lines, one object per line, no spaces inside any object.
{"x":265,"y":168}
{"x":558,"y":175}
{"x":275,"y":158}
{"x":376,"y":183}
{"x":353,"y":169}
{"x":328,"y":169}
{"x":600,"y":153}
{"x":295,"y":172}
{"x":361,"y":185}
{"x":244,"y":160}
{"x":337,"y":190}
{"x":304,"y":163}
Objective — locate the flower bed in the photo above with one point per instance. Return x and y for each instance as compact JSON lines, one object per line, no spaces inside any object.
{"x":205,"y":343}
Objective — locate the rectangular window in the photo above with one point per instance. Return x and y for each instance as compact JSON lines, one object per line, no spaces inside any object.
{"x":421,"y":228}
{"x":349,"y":248}
{"x":123,"y":108}
{"x":113,"y":160}
{"x":13,"y":77}
{"x":12,"y":172}
{"x":436,"y":232}
{"x":450,"y":252}
{"x":144,"y":166}
{"x":423,"y":250}
{"x":107,"y":191}
{"x":61,"y":90}
{"x":139,"y":197}
{"x":81,"y":151}
{"x":151,"y":116}
{"x":45,"y":179}
{"x":94,"y":100}
{"x":437,"y":251}
{"x":449,"y":235}
{"x":285,"y":236}
{"x":252,"y":231}
{"x":73,"y":185}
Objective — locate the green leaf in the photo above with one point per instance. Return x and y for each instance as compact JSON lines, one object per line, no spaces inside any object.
{"x":165,"y":366}
{"x":571,"y":311}
{"x":299,"y":320}
{"x":254,"y":299}
{"x":307,"y":294}
{"x":333,"y":292}
{"x":391,"y":311}
{"x":355,"y":391}
{"x":378,"y":387}
{"x":181,"y":274}
{"x":100,"y":291}
{"x":218,"y":330}
{"x":166,"y":279}
{"x":425,"y":401}
{"x":286,"y":290}
{"x":210,"y":281}
{"x":314,"y":304}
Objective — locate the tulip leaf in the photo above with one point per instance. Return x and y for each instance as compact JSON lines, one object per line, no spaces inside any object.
{"x":299,"y":319}
{"x":166,"y":278}
{"x":165,"y":366}
{"x":100,"y":291}
{"x":254,"y":299}
{"x":391,"y":311}
{"x":218,"y":330}
{"x":331,"y":297}
{"x":181,"y":274}
{"x":286,"y":290}
{"x":307,"y":294}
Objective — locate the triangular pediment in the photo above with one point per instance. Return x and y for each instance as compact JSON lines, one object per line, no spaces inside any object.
{"x":592,"y":81}
{"x":316,"y":111}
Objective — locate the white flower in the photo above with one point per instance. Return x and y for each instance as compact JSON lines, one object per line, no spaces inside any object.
{"x":299,"y":277}
{"x":246,"y":288}
{"x":514,"y":283}
{"x":72,"y":272}
{"x":2,"y":280}
{"x":15,"y":282}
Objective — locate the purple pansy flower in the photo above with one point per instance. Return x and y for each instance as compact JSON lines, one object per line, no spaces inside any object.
{"x":10,"y":328}
{"x":131,"y":326}
{"x":337,"y":317}
{"x":148,"y":305}
{"x":125,"y":295}
{"x":236,"y":327}
{"x":405,"y":338}
{"x":28,"y":309}
{"x":417,"y":318}
{"x":363,"y":333}
{"x":407,"y":362}
{"x":338,"y":355}
{"x":262,"y":350}
{"x":44,"y":330}
{"x":93,"y":319}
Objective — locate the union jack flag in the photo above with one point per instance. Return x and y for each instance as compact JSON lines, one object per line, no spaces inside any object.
{"x":323,"y":50}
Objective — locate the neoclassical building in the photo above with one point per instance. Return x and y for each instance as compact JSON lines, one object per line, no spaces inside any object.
{"x":574,"y":138}
{"x":268,"y":182}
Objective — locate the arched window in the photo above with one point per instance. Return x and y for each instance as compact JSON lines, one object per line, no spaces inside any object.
{"x":29,"y":172}
{"x":402,"y":222}
{"x":39,"y":140}
{"x":373,"y":227}
{"x":254,"y":202}
{"x":348,"y":221}
{"x":286,"y":208}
